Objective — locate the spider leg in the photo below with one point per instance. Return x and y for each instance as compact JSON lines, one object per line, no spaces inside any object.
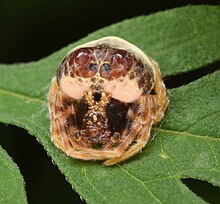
{"x":160,"y":97}
{"x":54,"y":125}
{"x":129,"y":135}
{"x":60,"y":132}
{"x":57,"y":115}
{"x":144,"y":122}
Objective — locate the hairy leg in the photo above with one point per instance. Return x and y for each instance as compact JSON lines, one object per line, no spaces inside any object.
{"x":60,"y":108}
{"x":160,"y":97}
{"x":145,"y":121}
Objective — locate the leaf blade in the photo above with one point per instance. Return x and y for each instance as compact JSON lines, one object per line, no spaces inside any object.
{"x":12,"y":183}
{"x":163,"y":158}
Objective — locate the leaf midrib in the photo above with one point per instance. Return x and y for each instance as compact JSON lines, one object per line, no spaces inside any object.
{"x":21,"y":96}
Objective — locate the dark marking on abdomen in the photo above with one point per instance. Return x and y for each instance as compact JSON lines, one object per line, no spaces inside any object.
{"x":116,"y":112}
{"x":80,"y":113}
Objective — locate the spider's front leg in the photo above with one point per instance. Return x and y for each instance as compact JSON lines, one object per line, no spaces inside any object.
{"x":62,"y":115}
{"x":140,"y":130}
{"x":63,"y":127}
{"x":151,"y":109}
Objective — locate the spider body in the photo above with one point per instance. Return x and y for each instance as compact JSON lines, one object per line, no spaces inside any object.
{"x":105,"y":98}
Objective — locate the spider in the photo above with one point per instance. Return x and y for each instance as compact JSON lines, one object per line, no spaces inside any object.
{"x":105,"y":98}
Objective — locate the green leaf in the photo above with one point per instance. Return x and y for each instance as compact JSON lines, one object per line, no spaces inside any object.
{"x":186,"y":145}
{"x":11,"y":182}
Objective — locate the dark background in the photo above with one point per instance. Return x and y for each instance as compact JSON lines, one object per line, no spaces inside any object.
{"x":31,"y":30}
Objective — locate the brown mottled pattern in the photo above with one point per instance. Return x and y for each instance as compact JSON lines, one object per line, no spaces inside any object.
{"x":96,"y":87}
{"x":138,"y":68}
{"x":146,"y":80}
{"x":86,"y":62}
{"x":131,"y":75}
{"x":93,"y":79}
{"x":66,"y":102}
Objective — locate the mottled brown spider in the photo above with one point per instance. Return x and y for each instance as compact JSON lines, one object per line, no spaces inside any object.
{"x":105,"y":98}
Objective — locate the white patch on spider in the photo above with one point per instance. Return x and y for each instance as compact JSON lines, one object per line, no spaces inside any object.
{"x":73,"y":88}
{"x":126,"y":90}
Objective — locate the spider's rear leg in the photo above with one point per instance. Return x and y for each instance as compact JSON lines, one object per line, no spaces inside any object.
{"x":160,"y":91}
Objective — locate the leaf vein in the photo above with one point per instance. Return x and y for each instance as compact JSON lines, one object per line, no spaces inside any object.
{"x":89,"y":181}
{"x":172,"y":161}
{"x":141,"y":182}
{"x":187,"y":134}
{"x":214,"y":155}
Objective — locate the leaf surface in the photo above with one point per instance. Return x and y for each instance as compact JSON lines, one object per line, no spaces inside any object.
{"x":186,"y":145}
{"x":11,"y":181}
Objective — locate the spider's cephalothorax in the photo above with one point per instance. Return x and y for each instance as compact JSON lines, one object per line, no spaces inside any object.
{"x":106,"y":96}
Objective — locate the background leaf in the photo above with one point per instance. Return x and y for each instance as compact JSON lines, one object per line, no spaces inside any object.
{"x":187,"y":143}
{"x":11,"y":182}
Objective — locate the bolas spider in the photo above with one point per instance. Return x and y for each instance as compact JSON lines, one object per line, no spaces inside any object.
{"x":105,"y":98}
